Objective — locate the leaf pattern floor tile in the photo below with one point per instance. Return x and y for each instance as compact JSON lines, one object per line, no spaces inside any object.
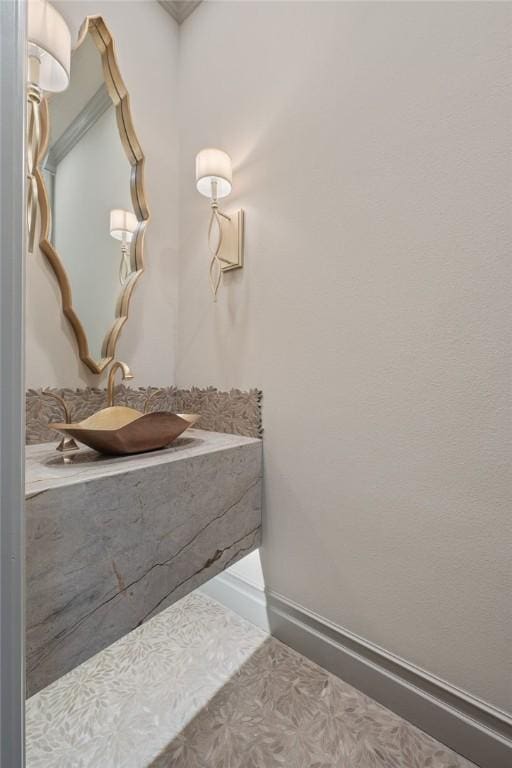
{"x":199,"y":687}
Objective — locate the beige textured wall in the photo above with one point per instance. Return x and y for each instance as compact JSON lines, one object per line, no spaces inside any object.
{"x":371,"y":145}
{"x":147,"y":44}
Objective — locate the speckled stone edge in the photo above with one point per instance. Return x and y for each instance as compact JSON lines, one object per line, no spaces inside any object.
{"x":236,"y":412}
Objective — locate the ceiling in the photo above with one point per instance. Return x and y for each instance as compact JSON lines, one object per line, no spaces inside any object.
{"x":179,"y":9}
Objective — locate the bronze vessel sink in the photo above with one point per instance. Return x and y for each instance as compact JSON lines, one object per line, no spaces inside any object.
{"x":118,"y":430}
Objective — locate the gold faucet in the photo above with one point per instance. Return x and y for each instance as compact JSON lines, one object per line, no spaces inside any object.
{"x":67,"y":443}
{"x":127,"y":374}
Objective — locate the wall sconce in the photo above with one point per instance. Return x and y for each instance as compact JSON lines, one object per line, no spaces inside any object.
{"x":49,"y":60}
{"x":122,"y":226}
{"x":225,"y":233}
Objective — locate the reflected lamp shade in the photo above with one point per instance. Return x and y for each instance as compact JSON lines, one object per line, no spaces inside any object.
{"x":122,"y":224}
{"x":213,"y":165}
{"x":49,"y":44}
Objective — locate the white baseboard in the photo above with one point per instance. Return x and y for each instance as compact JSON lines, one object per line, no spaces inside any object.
{"x":472,"y":728}
{"x":241,"y":596}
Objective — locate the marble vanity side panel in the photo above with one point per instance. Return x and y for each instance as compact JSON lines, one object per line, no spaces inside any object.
{"x":104,"y":556}
{"x":236,"y":412}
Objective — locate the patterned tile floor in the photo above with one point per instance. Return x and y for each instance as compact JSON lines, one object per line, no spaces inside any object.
{"x":199,"y":687}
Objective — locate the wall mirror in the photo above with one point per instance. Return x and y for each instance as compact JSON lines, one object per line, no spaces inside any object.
{"x":91,"y":194}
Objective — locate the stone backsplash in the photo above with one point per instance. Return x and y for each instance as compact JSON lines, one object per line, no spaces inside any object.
{"x":237,"y":412}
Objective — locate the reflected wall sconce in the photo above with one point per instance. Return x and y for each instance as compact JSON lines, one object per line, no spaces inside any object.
{"x":49,"y":61}
{"x":225,"y":233}
{"x":122,"y":226}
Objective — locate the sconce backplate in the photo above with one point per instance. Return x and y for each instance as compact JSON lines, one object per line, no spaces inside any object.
{"x":231,"y":251}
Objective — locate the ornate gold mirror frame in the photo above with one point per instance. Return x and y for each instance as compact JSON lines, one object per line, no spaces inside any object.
{"x":120,"y":98}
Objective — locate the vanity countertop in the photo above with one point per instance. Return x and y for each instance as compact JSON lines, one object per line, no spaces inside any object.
{"x":110,"y":542}
{"x":45,"y":468}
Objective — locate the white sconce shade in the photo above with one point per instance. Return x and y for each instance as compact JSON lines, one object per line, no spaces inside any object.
{"x":213,"y":165}
{"x":122,"y":224}
{"x":49,"y":43}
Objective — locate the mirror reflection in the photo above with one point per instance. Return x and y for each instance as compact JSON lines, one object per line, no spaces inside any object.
{"x":87,"y":175}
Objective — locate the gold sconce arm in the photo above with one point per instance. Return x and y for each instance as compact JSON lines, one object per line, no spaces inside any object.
{"x":215,"y":261}
{"x":227,"y":249}
{"x":34,"y":95}
{"x":124,"y":266}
